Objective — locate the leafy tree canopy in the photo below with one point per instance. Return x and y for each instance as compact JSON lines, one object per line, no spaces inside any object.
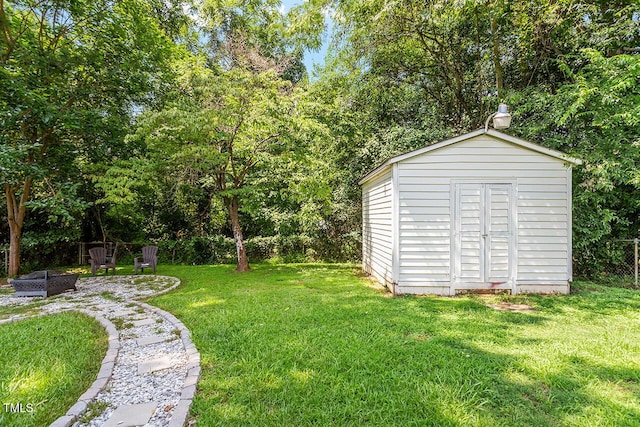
{"x":71,"y":74}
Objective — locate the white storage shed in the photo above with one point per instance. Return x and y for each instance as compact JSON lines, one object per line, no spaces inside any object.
{"x":482,"y":211}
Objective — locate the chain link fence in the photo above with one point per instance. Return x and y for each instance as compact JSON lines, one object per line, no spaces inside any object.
{"x":621,"y":266}
{"x":67,"y":254}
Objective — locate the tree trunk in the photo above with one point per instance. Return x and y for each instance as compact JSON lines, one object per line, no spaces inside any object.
{"x":497,"y":65}
{"x":16,"y":212}
{"x":14,"y":251}
{"x":233,"y":206}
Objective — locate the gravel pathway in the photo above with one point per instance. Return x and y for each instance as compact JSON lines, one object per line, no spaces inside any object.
{"x":149,"y":374}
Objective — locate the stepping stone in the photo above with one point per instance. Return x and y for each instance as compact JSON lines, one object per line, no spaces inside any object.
{"x":144,"y":322}
{"x":154,"y":339}
{"x":107,"y":306}
{"x":155,"y":365}
{"x":123,"y":313}
{"x":131,"y":415}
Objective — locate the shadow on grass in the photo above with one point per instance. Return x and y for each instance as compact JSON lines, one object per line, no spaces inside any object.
{"x":46,"y":363}
{"x":314,"y":345}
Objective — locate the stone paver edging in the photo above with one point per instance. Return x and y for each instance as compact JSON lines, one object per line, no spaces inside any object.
{"x":120,"y":306}
{"x":181,"y":413}
{"x":103,"y":375}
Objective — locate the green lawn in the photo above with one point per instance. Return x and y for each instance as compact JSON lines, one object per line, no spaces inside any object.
{"x":46,"y":363}
{"x":315,"y":345}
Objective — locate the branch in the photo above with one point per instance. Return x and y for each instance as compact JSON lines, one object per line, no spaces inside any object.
{"x":22,"y":28}
{"x":267,"y":139}
{"x":234,"y":134}
{"x":16,"y":210}
{"x":46,"y":140}
{"x":244,"y":172}
{"x":238,"y":179}
{"x":6,"y":32}
{"x":26,"y":193}
{"x":41,"y":28}
{"x":11,"y":202}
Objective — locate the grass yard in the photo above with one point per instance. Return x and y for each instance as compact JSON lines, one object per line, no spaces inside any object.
{"x":46,"y":363}
{"x":315,"y":345}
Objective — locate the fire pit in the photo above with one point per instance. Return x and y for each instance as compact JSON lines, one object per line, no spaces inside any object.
{"x":43,"y":283}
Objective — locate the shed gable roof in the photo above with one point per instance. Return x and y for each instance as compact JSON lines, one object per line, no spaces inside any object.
{"x":498,"y":135}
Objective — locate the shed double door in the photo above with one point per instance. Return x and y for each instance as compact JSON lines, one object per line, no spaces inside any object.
{"x":483,"y":253}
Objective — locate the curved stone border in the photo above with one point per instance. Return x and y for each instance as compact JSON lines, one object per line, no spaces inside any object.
{"x":164,"y":291}
{"x":181,"y":411}
{"x":19,"y":318}
{"x":103,"y":375}
{"x":106,"y":369}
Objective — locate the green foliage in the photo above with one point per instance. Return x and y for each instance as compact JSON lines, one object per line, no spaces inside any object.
{"x":406,"y":74}
{"x":595,"y":117}
{"x":12,"y":168}
{"x":197,"y":250}
{"x":61,"y":203}
{"x":222,"y":250}
{"x":228,"y":128}
{"x":255,"y":35}
{"x":224,"y":139}
{"x":71,"y":74}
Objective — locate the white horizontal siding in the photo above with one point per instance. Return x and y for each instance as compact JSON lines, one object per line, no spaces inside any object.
{"x":377,"y":224}
{"x":425,"y":231}
{"x":425,"y":222}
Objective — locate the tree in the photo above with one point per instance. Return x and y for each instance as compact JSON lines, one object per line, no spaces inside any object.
{"x":596,"y":117}
{"x":408,"y":73}
{"x":220,"y":128}
{"x":245,"y":43}
{"x":251,"y":33}
{"x":70,"y":74}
